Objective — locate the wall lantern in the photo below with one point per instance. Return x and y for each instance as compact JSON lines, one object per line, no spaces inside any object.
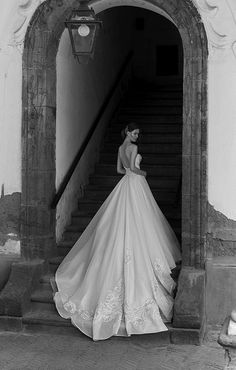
{"x":83,"y":29}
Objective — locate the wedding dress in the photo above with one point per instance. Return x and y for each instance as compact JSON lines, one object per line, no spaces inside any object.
{"x":116,"y":278}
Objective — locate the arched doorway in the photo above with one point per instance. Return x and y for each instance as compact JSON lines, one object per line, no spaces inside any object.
{"x":38,"y":141}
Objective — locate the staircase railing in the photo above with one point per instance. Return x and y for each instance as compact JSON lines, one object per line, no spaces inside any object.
{"x":91,"y":131}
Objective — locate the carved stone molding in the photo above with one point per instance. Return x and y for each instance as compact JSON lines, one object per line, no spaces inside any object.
{"x":219,"y":18}
{"x":25,"y":10}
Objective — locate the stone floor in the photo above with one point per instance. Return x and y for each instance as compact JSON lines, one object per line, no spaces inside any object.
{"x":62,"y":352}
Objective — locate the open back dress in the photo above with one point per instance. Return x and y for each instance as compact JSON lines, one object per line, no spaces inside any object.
{"x":116,"y":279}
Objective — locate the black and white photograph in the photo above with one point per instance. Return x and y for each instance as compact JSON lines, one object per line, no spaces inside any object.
{"x":118,"y":185}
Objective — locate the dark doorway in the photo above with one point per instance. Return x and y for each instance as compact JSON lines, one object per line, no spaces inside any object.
{"x":167,"y":60}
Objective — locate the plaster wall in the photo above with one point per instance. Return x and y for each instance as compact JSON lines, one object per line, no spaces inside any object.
{"x":222,"y":132}
{"x":220,"y":22}
{"x":81,"y":90}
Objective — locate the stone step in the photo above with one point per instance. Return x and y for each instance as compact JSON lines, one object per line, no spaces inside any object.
{"x":87,"y":202}
{"x":147,"y":158}
{"x":101,"y":192}
{"x":160,"y":92}
{"x":159,"y":148}
{"x":161,"y":195}
{"x":69,"y":236}
{"x":158,"y":128}
{"x":149,"y":102}
{"x":152,"y":170}
{"x":88,"y":212}
{"x":78,"y":224}
{"x":151,"y":118}
{"x":43,"y":294}
{"x":63,"y":251}
{"x":155,"y":182}
{"x":81,"y":223}
{"x":150,"y":110}
{"x":64,"y":246}
{"x":146,"y":120}
{"x":45,"y":279}
{"x":164,"y":85}
{"x":148,"y":138}
{"x":43,"y":306}
{"x":54,"y":262}
{"x":89,"y":207}
{"x":39,"y":321}
{"x":77,"y":219}
{"x":170,"y":182}
{"x":47,"y":318}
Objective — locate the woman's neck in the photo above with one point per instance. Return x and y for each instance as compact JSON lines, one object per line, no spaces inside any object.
{"x":127,"y":140}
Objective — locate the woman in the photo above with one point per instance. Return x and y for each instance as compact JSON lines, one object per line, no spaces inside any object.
{"x":116,"y":279}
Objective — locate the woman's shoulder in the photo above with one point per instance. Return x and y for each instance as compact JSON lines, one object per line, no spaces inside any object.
{"x":130,"y":146}
{"x":133,"y":147}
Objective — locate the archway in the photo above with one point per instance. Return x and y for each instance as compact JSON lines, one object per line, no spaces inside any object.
{"x":38,"y":141}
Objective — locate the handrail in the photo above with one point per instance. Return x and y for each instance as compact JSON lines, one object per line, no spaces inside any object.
{"x":90,"y":133}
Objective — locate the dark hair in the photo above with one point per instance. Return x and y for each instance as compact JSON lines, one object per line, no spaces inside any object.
{"x":130,"y":127}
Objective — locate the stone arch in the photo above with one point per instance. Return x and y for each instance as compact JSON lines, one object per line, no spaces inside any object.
{"x":39,"y":128}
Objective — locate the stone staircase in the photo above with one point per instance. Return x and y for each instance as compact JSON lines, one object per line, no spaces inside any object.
{"x":159,"y":113}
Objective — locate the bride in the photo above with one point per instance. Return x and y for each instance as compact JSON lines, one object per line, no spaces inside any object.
{"x":116,"y":279}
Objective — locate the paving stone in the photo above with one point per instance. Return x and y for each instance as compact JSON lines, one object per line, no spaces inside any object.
{"x":57,"y":352}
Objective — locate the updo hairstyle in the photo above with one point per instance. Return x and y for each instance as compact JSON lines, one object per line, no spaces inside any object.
{"x":130,"y":127}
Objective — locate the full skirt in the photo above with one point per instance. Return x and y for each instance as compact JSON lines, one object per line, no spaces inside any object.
{"x":116,"y":279}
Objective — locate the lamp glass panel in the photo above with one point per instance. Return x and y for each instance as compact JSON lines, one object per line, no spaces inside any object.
{"x":84,"y":44}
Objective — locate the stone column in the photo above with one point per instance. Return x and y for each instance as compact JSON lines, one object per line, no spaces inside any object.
{"x":189,"y":309}
{"x":39,"y":138}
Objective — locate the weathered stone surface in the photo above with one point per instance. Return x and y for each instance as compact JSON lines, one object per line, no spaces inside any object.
{"x":186,"y":336}
{"x":5,"y":268}
{"x":221,"y":238}
{"x":220,"y":288}
{"x":15,"y":297}
{"x":56,"y":351}
{"x":41,"y":189}
{"x":38,"y":246}
{"x":10,"y":223}
{"x":9,"y":323}
{"x":40,"y":221}
{"x":189,"y":308}
{"x":9,"y":215}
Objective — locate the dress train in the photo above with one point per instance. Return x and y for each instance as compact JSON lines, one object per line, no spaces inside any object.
{"x":116,"y":278}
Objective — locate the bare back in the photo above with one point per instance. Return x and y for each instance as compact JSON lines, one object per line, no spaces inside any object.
{"x":125,"y":154}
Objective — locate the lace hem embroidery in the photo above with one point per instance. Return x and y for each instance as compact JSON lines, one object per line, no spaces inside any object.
{"x":138,"y":316}
{"x":165,"y":278}
{"x":114,"y":307}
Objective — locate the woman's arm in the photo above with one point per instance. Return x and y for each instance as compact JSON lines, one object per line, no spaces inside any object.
{"x":119,"y":167}
{"x":134,"y":151}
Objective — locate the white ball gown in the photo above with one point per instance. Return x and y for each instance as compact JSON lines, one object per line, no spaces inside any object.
{"x":116,"y":278}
